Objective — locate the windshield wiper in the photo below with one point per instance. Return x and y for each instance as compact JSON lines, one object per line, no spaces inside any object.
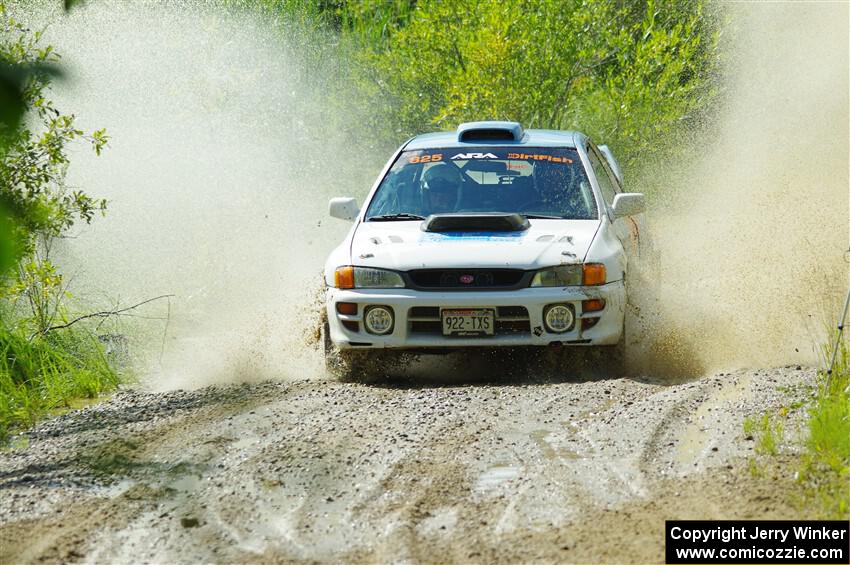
{"x":394,"y":217}
{"x":542,"y":217}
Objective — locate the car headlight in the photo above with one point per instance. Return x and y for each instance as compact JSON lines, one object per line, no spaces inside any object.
{"x":563,"y":275}
{"x":570,"y":275}
{"x":366,"y":277}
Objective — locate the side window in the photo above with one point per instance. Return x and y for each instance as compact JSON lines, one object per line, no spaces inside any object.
{"x":606,"y":183}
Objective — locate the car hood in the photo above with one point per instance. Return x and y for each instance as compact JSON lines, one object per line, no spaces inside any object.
{"x":403,"y":246}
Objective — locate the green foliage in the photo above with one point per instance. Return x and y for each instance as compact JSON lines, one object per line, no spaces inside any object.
{"x":34,"y":160}
{"x":829,"y":431}
{"x":766,"y":431}
{"x":40,"y":284}
{"x":638,"y":75}
{"x":71,"y":4}
{"x":825,"y":470}
{"x":9,"y":250}
{"x":629,"y":74}
{"x":39,"y":369}
{"x":35,"y":204}
{"x":770,"y":435}
{"x":749,"y":426}
{"x":40,"y":374}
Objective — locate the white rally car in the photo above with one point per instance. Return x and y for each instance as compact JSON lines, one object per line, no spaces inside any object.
{"x":490,"y":236}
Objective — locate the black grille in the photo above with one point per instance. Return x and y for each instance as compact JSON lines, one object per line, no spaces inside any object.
{"x":426,"y":327}
{"x":513,"y":327}
{"x":467,"y":278}
{"x":424,"y":312}
{"x":516,"y":311}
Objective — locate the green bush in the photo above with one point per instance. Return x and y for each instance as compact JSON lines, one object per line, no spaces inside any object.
{"x":632,"y":74}
{"x":43,"y":373}
{"x":825,"y":470}
{"x":640,"y":76}
{"x":40,"y":368}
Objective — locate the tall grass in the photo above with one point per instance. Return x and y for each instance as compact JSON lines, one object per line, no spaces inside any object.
{"x":825,"y":469}
{"x":41,"y":374}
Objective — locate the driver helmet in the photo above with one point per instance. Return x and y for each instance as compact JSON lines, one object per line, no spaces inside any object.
{"x":440,"y":187}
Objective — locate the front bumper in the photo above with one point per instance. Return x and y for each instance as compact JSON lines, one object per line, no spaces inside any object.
{"x":519,"y":317}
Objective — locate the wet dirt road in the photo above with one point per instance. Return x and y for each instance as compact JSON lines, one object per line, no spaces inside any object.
{"x":317,"y":470}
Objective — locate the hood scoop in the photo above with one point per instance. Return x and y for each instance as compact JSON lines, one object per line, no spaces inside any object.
{"x":485,"y":222}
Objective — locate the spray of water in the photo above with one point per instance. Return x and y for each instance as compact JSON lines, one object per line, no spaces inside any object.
{"x":748,"y":240}
{"x":218,"y":175}
{"x":222,"y":162}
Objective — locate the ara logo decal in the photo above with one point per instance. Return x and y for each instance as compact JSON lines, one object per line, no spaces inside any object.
{"x":468,"y":156}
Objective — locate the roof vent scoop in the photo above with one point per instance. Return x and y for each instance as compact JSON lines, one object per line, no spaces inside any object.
{"x":490,"y":131}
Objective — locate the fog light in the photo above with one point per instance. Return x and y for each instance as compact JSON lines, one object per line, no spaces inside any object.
{"x":378,"y":320}
{"x":558,"y":318}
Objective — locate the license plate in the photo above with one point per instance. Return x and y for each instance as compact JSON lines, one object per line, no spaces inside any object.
{"x":468,"y":322}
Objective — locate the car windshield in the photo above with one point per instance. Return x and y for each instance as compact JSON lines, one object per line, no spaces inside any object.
{"x":534,"y":181}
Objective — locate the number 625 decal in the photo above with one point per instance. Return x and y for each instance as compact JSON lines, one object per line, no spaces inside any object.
{"x":415,"y":159}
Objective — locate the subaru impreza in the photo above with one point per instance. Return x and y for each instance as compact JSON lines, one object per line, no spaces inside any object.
{"x":486,"y":237}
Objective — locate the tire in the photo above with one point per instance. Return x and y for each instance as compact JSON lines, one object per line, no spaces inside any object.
{"x":340,"y":364}
{"x":613,"y":358}
{"x":362,"y":366}
{"x":610,"y":360}
{"x":585,"y":362}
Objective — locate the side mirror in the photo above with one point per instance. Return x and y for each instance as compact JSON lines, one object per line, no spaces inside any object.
{"x":343,"y":208}
{"x":628,"y":204}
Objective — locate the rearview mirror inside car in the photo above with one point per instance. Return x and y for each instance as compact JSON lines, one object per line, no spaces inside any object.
{"x":628,"y":204}
{"x":343,"y":208}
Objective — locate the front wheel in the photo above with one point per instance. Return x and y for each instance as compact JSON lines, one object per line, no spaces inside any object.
{"x":340,"y":364}
{"x":586,"y":362}
{"x":363,"y":365}
{"x":611,"y":359}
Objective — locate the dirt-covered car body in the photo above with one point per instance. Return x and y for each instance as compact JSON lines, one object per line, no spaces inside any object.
{"x":499,"y":265}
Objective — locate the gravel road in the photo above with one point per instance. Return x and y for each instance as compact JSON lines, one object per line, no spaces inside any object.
{"x":568,"y":470}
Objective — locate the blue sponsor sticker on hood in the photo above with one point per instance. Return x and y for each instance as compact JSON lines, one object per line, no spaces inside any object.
{"x":513,"y":237}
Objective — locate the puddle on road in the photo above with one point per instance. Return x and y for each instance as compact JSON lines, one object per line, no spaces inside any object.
{"x":549,"y":444}
{"x":495,"y":476}
{"x":694,"y":440}
{"x":186,"y":484}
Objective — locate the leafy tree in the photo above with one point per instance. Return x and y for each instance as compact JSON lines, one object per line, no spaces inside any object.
{"x":39,"y":369}
{"x":632,"y":73}
{"x":36,"y":206}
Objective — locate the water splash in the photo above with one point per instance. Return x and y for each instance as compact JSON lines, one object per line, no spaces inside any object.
{"x":748,"y":240}
{"x":222,"y":159}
